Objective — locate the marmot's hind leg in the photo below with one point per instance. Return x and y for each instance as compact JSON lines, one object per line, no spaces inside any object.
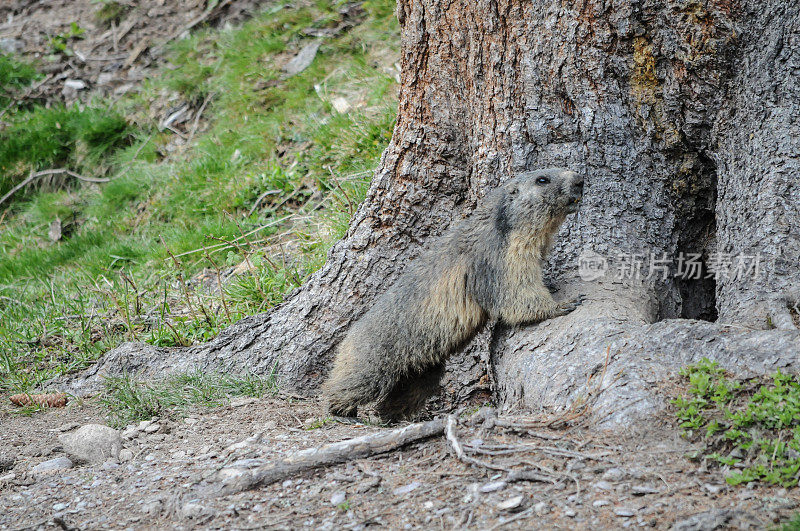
{"x":409,"y":394}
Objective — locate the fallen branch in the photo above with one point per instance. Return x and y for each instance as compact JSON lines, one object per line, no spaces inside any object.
{"x":450,"y":432}
{"x":235,"y":480}
{"x":59,"y":171}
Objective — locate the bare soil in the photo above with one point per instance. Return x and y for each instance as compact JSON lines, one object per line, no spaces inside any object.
{"x":598,"y":480}
{"x":112,"y":57}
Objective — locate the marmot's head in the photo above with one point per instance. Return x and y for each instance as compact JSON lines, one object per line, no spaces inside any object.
{"x":542,"y":195}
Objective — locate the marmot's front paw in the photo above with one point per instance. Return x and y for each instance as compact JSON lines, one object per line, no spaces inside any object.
{"x":569,"y":306}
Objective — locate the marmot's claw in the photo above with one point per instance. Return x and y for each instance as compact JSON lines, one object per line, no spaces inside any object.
{"x":570,"y":306}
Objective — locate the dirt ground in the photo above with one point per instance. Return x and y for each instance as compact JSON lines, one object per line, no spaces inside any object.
{"x":585,"y":480}
{"x":110,"y":57}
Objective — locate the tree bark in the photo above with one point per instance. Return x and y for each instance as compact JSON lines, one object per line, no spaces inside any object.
{"x":684,"y":117}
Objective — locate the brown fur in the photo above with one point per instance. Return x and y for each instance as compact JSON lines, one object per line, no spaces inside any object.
{"x":487,"y":267}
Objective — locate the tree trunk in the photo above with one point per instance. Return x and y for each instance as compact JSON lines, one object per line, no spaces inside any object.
{"x":684,"y":117}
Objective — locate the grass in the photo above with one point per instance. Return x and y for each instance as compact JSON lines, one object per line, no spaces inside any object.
{"x":129,"y":401}
{"x":14,"y":75}
{"x":749,"y":427}
{"x":267,"y":184}
{"x":59,"y":136}
{"x":791,"y":525}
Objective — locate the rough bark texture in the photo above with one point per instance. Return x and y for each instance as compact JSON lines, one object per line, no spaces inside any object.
{"x":682,"y":115}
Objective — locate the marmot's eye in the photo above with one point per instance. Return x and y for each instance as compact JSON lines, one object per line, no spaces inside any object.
{"x":543,"y":180}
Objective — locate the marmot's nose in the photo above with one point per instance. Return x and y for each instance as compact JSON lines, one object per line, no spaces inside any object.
{"x":577,"y":186}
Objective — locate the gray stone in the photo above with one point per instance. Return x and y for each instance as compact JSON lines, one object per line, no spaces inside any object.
{"x":75,"y":84}
{"x":641,"y":490}
{"x":493,"y":486}
{"x":60,"y":506}
{"x":603,"y":485}
{"x":624,"y":512}
{"x":105,"y":78}
{"x":614,"y":474}
{"x":93,"y":443}
{"x":152,"y":428}
{"x":9,"y":45}
{"x":153,"y":507}
{"x":193,"y":509}
{"x":600,"y":503}
{"x":338,"y":498}
{"x":303,"y":59}
{"x":125,"y":455}
{"x":246,"y":400}
{"x":52,"y":465}
{"x":510,"y":503}
{"x":406,"y":488}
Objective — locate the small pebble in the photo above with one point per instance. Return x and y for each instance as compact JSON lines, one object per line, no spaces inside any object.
{"x":600,"y":503}
{"x":51,"y":465}
{"x":493,"y":486}
{"x":509,"y":504}
{"x":614,"y":474}
{"x":406,"y":488}
{"x":603,"y":485}
{"x":624,"y":512}
{"x":338,"y":498}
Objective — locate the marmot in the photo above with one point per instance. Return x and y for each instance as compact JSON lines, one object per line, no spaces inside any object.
{"x":488,"y":266}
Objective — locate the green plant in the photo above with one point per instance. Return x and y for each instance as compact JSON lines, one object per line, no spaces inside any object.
{"x":59,"y":42}
{"x":791,"y":525}
{"x":14,"y":74}
{"x":59,"y":136}
{"x":752,"y":427}
{"x":183,"y":241}
{"x":110,"y":12}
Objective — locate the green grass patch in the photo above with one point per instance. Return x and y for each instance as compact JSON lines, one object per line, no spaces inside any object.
{"x":59,"y":136}
{"x":14,"y":75}
{"x":791,"y":525}
{"x":269,"y":181}
{"x":749,"y":427}
{"x":131,"y":401}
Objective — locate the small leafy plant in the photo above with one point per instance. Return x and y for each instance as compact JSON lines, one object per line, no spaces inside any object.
{"x":750,"y":427}
{"x":59,"y":42}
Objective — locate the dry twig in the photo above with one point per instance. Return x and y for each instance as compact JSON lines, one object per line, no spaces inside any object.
{"x":233,"y":480}
{"x":59,"y":171}
{"x":459,"y":450}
